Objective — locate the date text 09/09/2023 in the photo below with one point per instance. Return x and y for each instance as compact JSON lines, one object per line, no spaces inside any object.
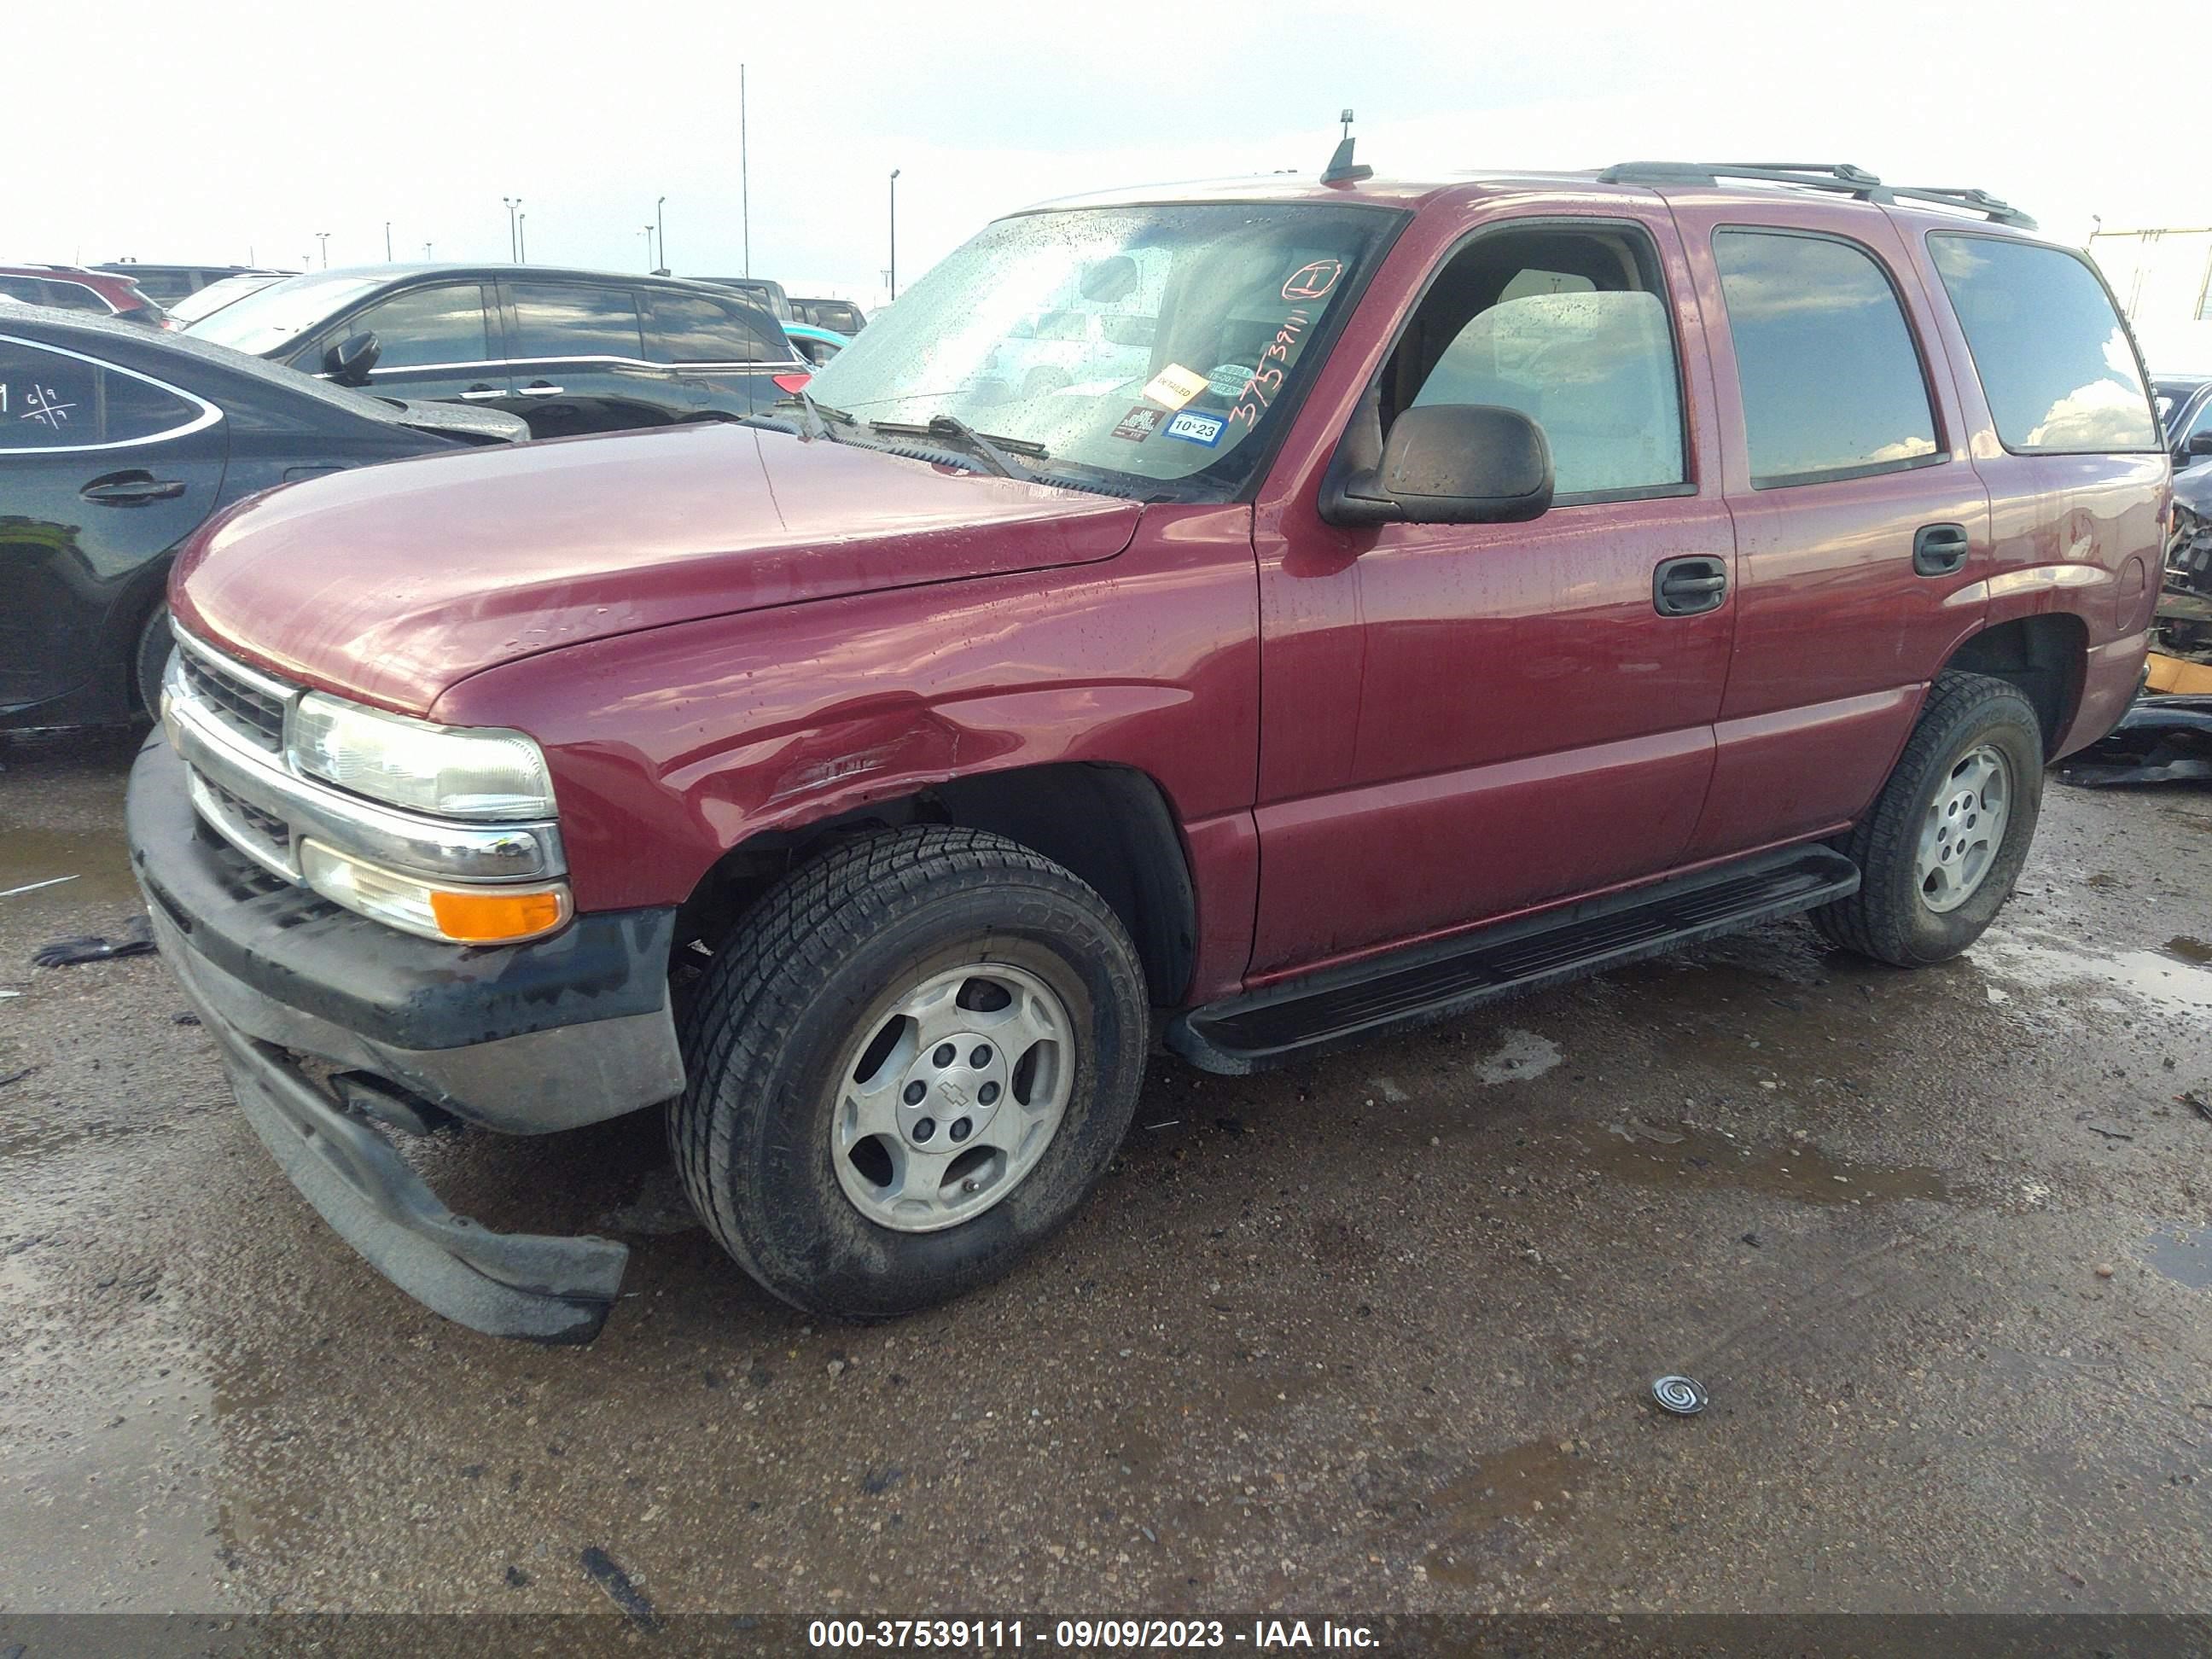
{"x":1091,"y":1635}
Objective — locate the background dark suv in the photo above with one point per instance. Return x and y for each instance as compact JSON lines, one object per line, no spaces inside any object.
{"x":570,"y":351}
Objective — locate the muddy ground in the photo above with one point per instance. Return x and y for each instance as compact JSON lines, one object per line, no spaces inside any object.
{"x":1372,"y":1333}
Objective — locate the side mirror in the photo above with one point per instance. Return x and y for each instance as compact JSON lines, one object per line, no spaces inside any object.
{"x":348,"y":361}
{"x":1448,"y":464}
{"x":2200,"y":443}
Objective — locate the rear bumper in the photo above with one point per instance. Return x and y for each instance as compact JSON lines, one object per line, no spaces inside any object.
{"x":325,"y":1020}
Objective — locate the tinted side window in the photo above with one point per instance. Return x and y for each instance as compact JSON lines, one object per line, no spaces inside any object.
{"x":2054,"y":361}
{"x":426,"y":325}
{"x":689,"y":328}
{"x":73,"y":296}
{"x":29,"y":289}
{"x":569,"y":320}
{"x":51,"y":401}
{"x":1831,"y":384}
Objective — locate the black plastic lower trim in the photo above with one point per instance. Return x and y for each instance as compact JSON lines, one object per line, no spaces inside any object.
{"x":297,"y":947}
{"x":1435,"y":981}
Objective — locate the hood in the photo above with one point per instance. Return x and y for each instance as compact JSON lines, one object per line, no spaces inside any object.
{"x":463,"y":421}
{"x":392,"y":583}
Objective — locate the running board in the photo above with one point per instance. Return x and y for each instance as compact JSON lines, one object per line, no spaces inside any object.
{"x":1413,"y":986}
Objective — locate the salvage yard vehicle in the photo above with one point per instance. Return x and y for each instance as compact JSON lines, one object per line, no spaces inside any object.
{"x":169,"y":283}
{"x":72,"y":288}
{"x":117,"y":443}
{"x":841,"y":315}
{"x":1481,"y":581}
{"x":569,"y":352}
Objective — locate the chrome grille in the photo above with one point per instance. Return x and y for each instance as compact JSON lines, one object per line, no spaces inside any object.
{"x":244,"y":708}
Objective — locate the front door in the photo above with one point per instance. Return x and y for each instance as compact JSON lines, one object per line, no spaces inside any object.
{"x":1463,"y":721}
{"x":436,"y":343}
{"x":1862,"y":526}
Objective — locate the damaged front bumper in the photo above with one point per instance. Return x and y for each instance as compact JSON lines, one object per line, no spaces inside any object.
{"x":331,"y":1024}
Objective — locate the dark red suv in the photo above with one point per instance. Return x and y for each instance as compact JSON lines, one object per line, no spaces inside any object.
{"x":1406,"y":593}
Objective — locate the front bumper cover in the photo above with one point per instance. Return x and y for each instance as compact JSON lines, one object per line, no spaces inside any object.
{"x":526,"y":1039}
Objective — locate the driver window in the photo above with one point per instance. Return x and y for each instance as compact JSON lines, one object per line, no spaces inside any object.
{"x":1570,"y":329}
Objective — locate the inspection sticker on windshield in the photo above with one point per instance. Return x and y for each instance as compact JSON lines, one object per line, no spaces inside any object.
{"x":1140,"y":423}
{"x":1175,"y":386}
{"x":1193,"y":428}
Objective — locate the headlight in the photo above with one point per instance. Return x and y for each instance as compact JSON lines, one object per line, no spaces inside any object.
{"x":455,"y":772}
{"x":458,"y":915}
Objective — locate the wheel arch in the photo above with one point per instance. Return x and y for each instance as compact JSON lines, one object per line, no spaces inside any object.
{"x":1112,"y":826}
{"x":2044,"y":657}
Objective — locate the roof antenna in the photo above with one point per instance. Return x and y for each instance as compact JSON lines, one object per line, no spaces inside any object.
{"x":1341,"y":168}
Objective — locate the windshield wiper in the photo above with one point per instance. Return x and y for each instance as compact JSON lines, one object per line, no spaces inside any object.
{"x":996,"y":453}
{"x":821,"y":414}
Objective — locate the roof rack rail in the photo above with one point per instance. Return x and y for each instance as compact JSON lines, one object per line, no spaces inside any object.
{"x":1840,"y":176}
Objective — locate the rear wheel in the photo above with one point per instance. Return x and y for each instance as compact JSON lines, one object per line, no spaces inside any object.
{"x":910,"y":1063}
{"x":1940,"y":852}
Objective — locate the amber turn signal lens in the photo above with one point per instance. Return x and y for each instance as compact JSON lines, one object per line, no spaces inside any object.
{"x":490,"y":918}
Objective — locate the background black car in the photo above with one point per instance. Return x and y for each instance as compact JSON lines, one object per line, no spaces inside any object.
{"x":2184,"y":411}
{"x":116,"y":443}
{"x":768,"y":297}
{"x":842,"y":315}
{"x":570,"y":351}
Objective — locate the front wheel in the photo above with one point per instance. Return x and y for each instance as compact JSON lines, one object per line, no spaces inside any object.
{"x":1940,"y":852}
{"x":910,"y":1064}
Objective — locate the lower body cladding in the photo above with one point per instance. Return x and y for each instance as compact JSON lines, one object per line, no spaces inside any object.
{"x":330,"y":1025}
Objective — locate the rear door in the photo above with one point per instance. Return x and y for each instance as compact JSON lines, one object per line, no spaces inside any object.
{"x":718,"y":353}
{"x":102,"y":472}
{"x":578,"y":359}
{"x":437,"y":343}
{"x":1862,"y":529}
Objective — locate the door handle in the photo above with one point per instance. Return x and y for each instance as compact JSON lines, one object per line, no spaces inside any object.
{"x":1689,"y":587}
{"x":1939,"y":549}
{"x":132,"y":490}
{"x":477,"y":394}
{"x":539,"y":389}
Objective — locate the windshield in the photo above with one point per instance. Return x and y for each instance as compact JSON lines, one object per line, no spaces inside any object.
{"x":282,"y":311}
{"x":228,"y":290}
{"x":1156,"y":343}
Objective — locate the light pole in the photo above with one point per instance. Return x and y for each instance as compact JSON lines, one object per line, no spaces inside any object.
{"x":892,"y":282}
{"x":324,"y":237}
{"x":661,"y":220}
{"x":648,"y":249}
{"x":513,"y":237}
{"x":426,"y":253}
{"x":387,"y":241}
{"x":745,"y":189}
{"x":522,"y":238}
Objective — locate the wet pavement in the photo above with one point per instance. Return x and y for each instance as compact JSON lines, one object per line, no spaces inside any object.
{"x":1372,"y":1333}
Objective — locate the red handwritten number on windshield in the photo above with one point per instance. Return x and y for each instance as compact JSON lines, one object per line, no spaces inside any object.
{"x":1311,"y":281}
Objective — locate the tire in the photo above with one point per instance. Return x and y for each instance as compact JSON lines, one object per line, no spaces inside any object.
{"x":151,"y":660}
{"x":1897,"y":916}
{"x":766,"y":1140}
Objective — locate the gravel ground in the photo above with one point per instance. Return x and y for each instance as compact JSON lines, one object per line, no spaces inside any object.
{"x":1371,"y":1332}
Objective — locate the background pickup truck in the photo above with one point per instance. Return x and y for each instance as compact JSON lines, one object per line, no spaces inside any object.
{"x":1477,"y":582}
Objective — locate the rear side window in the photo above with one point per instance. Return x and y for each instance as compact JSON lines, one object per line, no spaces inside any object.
{"x":689,"y":328}
{"x":74,"y":296}
{"x":426,"y":325}
{"x":1833,"y":386}
{"x":2054,"y":360}
{"x":53,"y":400}
{"x":569,"y":320}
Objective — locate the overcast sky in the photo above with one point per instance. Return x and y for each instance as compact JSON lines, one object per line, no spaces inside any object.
{"x":220,"y":129}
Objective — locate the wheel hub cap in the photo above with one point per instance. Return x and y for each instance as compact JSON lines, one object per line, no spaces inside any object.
{"x":950,"y":1095}
{"x":1964,"y":828}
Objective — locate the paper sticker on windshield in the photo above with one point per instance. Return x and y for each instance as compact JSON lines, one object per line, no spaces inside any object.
{"x":1229,"y":380}
{"x":1140,"y":423}
{"x":1311,"y":281}
{"x":1175,"y":386}
{"x":1194,"y":427}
